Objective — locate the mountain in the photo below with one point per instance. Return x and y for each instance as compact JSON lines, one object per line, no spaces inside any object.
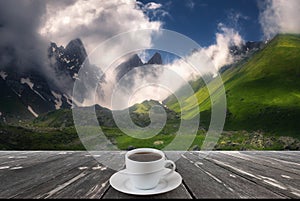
{"x":67,"y":61}
{"x":27,"y":94}
{"x":134,"y":62}
{"x":263,"y":92}
{"x":243,"y":52}
{"x":156,"y":59}
{"x":138,"y":112}
{"x":247,"y":48}
{"x":64,"y":118}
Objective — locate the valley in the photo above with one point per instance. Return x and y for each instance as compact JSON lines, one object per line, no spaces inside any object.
{"x":263,"y":106}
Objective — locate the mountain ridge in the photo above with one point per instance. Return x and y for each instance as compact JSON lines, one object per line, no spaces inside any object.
{"x":34,"y":92}
{"x":134,"y":61}
{"x":261,"y":91}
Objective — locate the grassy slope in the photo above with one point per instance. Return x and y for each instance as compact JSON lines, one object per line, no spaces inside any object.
{"x":263,"y":93}
{"x":33,"y":138}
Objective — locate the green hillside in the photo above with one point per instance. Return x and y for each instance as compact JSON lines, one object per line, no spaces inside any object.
{"x":263,"y":110}
{"x":262,"y":93}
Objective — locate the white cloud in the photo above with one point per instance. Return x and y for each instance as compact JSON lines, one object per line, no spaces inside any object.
{"x":235,"y":17}
{"x":94,"y":21}
{"x":280,"y":16}
{"x":220,"y":52}
{"x":212,"y":58}
{"x":144,"y":56}
{"x":178,"y":73}
{"x":153,"y":6}
{"x":154,"y":11}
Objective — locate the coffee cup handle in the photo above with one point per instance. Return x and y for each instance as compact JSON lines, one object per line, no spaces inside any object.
{"x":167,"y":162}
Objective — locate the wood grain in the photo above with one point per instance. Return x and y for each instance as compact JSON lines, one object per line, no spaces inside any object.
{"x":76,"y":174}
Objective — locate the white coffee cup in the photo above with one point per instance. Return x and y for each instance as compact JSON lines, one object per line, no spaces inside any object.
{"x":147,"y":174}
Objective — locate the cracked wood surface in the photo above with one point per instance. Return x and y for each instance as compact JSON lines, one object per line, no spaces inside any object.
{"x":218,"y":174}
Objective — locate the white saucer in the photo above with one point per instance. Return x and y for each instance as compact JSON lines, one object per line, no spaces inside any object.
{"x":121,"y":182}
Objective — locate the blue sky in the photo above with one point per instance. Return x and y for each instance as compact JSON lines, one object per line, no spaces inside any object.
{"x":199,"y":19}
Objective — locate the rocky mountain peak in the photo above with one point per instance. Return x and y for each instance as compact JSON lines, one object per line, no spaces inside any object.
{"x":75,"y":49}
{"x":135,"y":61}
{"x":156,"y":59}
{"x":245,"y":49}
{"x":125,"y":67}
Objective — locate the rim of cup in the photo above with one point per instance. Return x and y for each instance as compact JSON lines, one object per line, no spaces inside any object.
{"x":145,"y":150}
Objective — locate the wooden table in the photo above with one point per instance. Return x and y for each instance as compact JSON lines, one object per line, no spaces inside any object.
{"x":57,"y":174}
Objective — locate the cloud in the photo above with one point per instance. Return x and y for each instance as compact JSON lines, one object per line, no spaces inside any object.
{"x":235,"y":18}
{"x":279,"y":16}
{"x":218,"y":54}
{"x":20,"y":44}
{"x":170,"y":77}
{"x":153,"y":6}
{"x":144,"y":56}
{"x":28,"y":26}
{"x":155,"y":11}
{"x":95,"y":21}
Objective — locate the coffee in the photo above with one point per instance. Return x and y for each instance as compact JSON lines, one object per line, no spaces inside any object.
{"x":145,"y":167}
{"x":144,"y":156}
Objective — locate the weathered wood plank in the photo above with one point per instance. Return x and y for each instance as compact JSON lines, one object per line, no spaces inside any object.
{"x":276,"y":180}
{"x":96,"y":181}
{"x":219,"y":175}
{"x":14,"y":182}
{"x":25,"y":159}
{"x":113,"y":159}
{"x":265,"y":161}
{"x":291,"y":159}
{"x":202,"y":185}
{"x":7,"y":157}
{"x":207,"y":180}
{"x":56,"y":183}
{"x":93,"y":185}
{"x":4,"y":154}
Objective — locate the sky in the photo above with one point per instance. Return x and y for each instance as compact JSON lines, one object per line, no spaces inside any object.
{"x":199,"y":19}
{"x":28,"y":26}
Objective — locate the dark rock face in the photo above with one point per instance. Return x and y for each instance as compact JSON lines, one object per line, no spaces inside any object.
{"x":20,"y":90}
{"x":68,"y":61}
{"x":75,"y":50}
{"x":135,"y":62}
{"x":243,"y":52}
{"x":27,"y":94}
{"x":128,"y":65}
{"x":248,"y":47}
{"x":156,"y":59}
